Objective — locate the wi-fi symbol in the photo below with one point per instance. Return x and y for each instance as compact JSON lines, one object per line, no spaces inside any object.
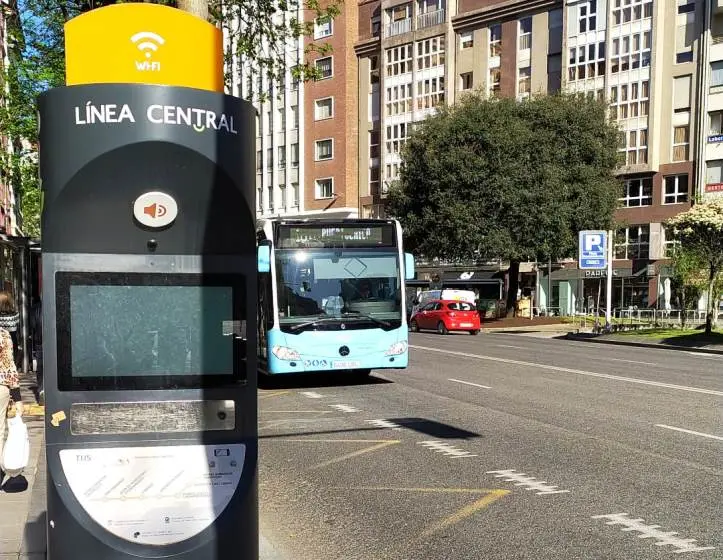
{"x":147,"y":42}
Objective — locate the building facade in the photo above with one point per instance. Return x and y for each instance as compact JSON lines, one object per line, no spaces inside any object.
{"x":414,"y":55}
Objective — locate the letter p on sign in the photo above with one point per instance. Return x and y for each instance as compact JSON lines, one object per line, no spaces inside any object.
{"x":593,"y":242}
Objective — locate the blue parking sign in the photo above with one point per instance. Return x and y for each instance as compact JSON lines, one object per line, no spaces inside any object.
{"x":593,"y":250}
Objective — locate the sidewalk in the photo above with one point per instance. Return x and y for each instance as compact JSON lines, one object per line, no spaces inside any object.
{"x":22,"y":500}
{"x":23,"y":513}
{"x":643,"y":342}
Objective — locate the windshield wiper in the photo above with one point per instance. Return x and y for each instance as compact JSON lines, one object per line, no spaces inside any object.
{"x":316,"y":321}
{"x":365,"y":316}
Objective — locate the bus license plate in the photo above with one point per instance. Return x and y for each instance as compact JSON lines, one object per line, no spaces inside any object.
{"x":346,"y":364}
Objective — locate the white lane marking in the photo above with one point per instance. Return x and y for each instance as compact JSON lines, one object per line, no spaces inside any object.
{"x":569,"y":370}
{"x":382,"y":423}
{"x":689,"y":432}
{"x":510,"y":346}
{"x":631,"y":361}
{"x":312,"y":395}
{"x":469,"y":383}
{"x":446,"y":448}
{"x":344,"y":408}
{"x":662,"y":538}
{"x":529,"y":482}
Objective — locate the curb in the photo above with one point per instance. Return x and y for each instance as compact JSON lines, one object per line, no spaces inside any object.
{"x":577,"y":338}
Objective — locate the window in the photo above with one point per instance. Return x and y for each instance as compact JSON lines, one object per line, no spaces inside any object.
{"x":675,"y":189}
{"x":714,"y":172}
{"x":430,"y":93}
{"x":270,"y":197}
{"x":715,"y":123}
{"x":430,"y":53}
{"x":282,"y":157}
{"x":587,"y":61}
{"x":633,"y":242}
{"x":588,"y":16}
{"x":399,"y":99}
{"x":324,"y":149}
{"x":523,"y":87}
{"x":284,"y":201}
{"x":269,"y":159}
{"x":685,"y":32}
{"x":681,"y":142}
{"x":295,"y":191}
{"x":376,"y":23}
{"x":374,"y":144}
{"x":399,"y":20}
{"x":681,"y":93}
{"x":637,"y":192}
{"x":630,"y":100}
{"x":466,"y":40}
{"x":465,"y":81}
{"x":295,"y":155}
{"x":259,"y":199}
{"x":294,"y":117}
{"x":631,"y":52}
{"x":323,"y":108}
{"x":325,"y":188}
{"x":395,"y":138}
{"x":282,"y":119}
{"x":686,"y":6}
{"x":634,"y":147}
{"x":525,"y":30}
{"x":259,"y":161}
{"x":633,"y":10}
{"x":495,"y":40}
{"x":324,"y":66}
{"x":495,"y":81}
{"x":716,"y":74}
{"x":399,"y":60}
{"x":323,"y":28}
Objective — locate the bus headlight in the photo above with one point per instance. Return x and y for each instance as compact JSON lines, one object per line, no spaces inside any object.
{"x":285,"y":353}
{"x":396,"y":349}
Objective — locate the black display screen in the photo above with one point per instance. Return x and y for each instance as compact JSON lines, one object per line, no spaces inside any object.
{"x":335,"y":235}
{"x":149,"y":331}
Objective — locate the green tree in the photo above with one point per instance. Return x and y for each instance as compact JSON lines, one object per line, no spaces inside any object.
{"x":686,"y":280}
{"x":261,"y":33}
{"x":498,"y":178}
{"x":700,"y":232}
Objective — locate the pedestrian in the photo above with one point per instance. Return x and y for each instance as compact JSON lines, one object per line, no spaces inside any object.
{"x":9,"y":320}
{"x":9,"y":387}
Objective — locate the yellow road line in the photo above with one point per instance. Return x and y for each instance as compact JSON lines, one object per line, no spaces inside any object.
{"x":375,"y":447}
{"x":466,"y":512}
{"x":274,"y":394}
{"x":490,"y":496}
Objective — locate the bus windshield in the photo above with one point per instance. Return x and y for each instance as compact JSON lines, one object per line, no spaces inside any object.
{"x":333,"y":288}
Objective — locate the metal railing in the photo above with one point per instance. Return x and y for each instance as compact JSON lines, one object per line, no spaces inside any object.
{"x":525,"y":41}
{"x":430,"y":18}
{"x":399,"y":27}
{"x":633,"y":318}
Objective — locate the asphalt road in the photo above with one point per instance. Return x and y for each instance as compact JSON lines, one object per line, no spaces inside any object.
{"x":499,"y":446}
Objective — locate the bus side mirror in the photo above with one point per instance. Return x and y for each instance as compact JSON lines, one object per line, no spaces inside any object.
{"x":409,"y":272}
{"x":264,"y":258}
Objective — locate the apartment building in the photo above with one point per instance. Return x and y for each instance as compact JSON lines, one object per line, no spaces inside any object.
{"x":416,"y":54}
{"x":710,"y":150}
{"x":305,"y":132}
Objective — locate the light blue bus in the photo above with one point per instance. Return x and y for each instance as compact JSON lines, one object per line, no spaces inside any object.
{"x":331,"y":295}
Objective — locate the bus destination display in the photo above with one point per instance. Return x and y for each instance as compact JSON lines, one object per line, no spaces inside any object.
{"x":381,"y":235}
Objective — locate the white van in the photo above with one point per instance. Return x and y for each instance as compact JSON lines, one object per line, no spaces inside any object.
{"x":446,"y":294}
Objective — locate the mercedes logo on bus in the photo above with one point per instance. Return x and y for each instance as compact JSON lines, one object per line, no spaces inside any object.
{"x":344,"y":351}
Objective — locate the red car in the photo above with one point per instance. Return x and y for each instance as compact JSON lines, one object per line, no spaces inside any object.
{"x":445,"y":316}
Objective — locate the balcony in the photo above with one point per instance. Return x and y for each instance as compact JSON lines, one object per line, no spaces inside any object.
{"x":430,"y":18}
{"x":399,"y":27}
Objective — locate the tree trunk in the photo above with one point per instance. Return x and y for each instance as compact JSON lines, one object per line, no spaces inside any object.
{"x":711,"y":306}
{"x":198,"y":8}
{"x":513,"y":275}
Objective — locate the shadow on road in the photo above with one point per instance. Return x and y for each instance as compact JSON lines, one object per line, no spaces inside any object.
{"x":311,"y":380}
{"x":434,"y":429}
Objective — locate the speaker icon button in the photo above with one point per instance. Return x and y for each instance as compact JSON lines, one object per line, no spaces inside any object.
{"x":155,"y":209}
